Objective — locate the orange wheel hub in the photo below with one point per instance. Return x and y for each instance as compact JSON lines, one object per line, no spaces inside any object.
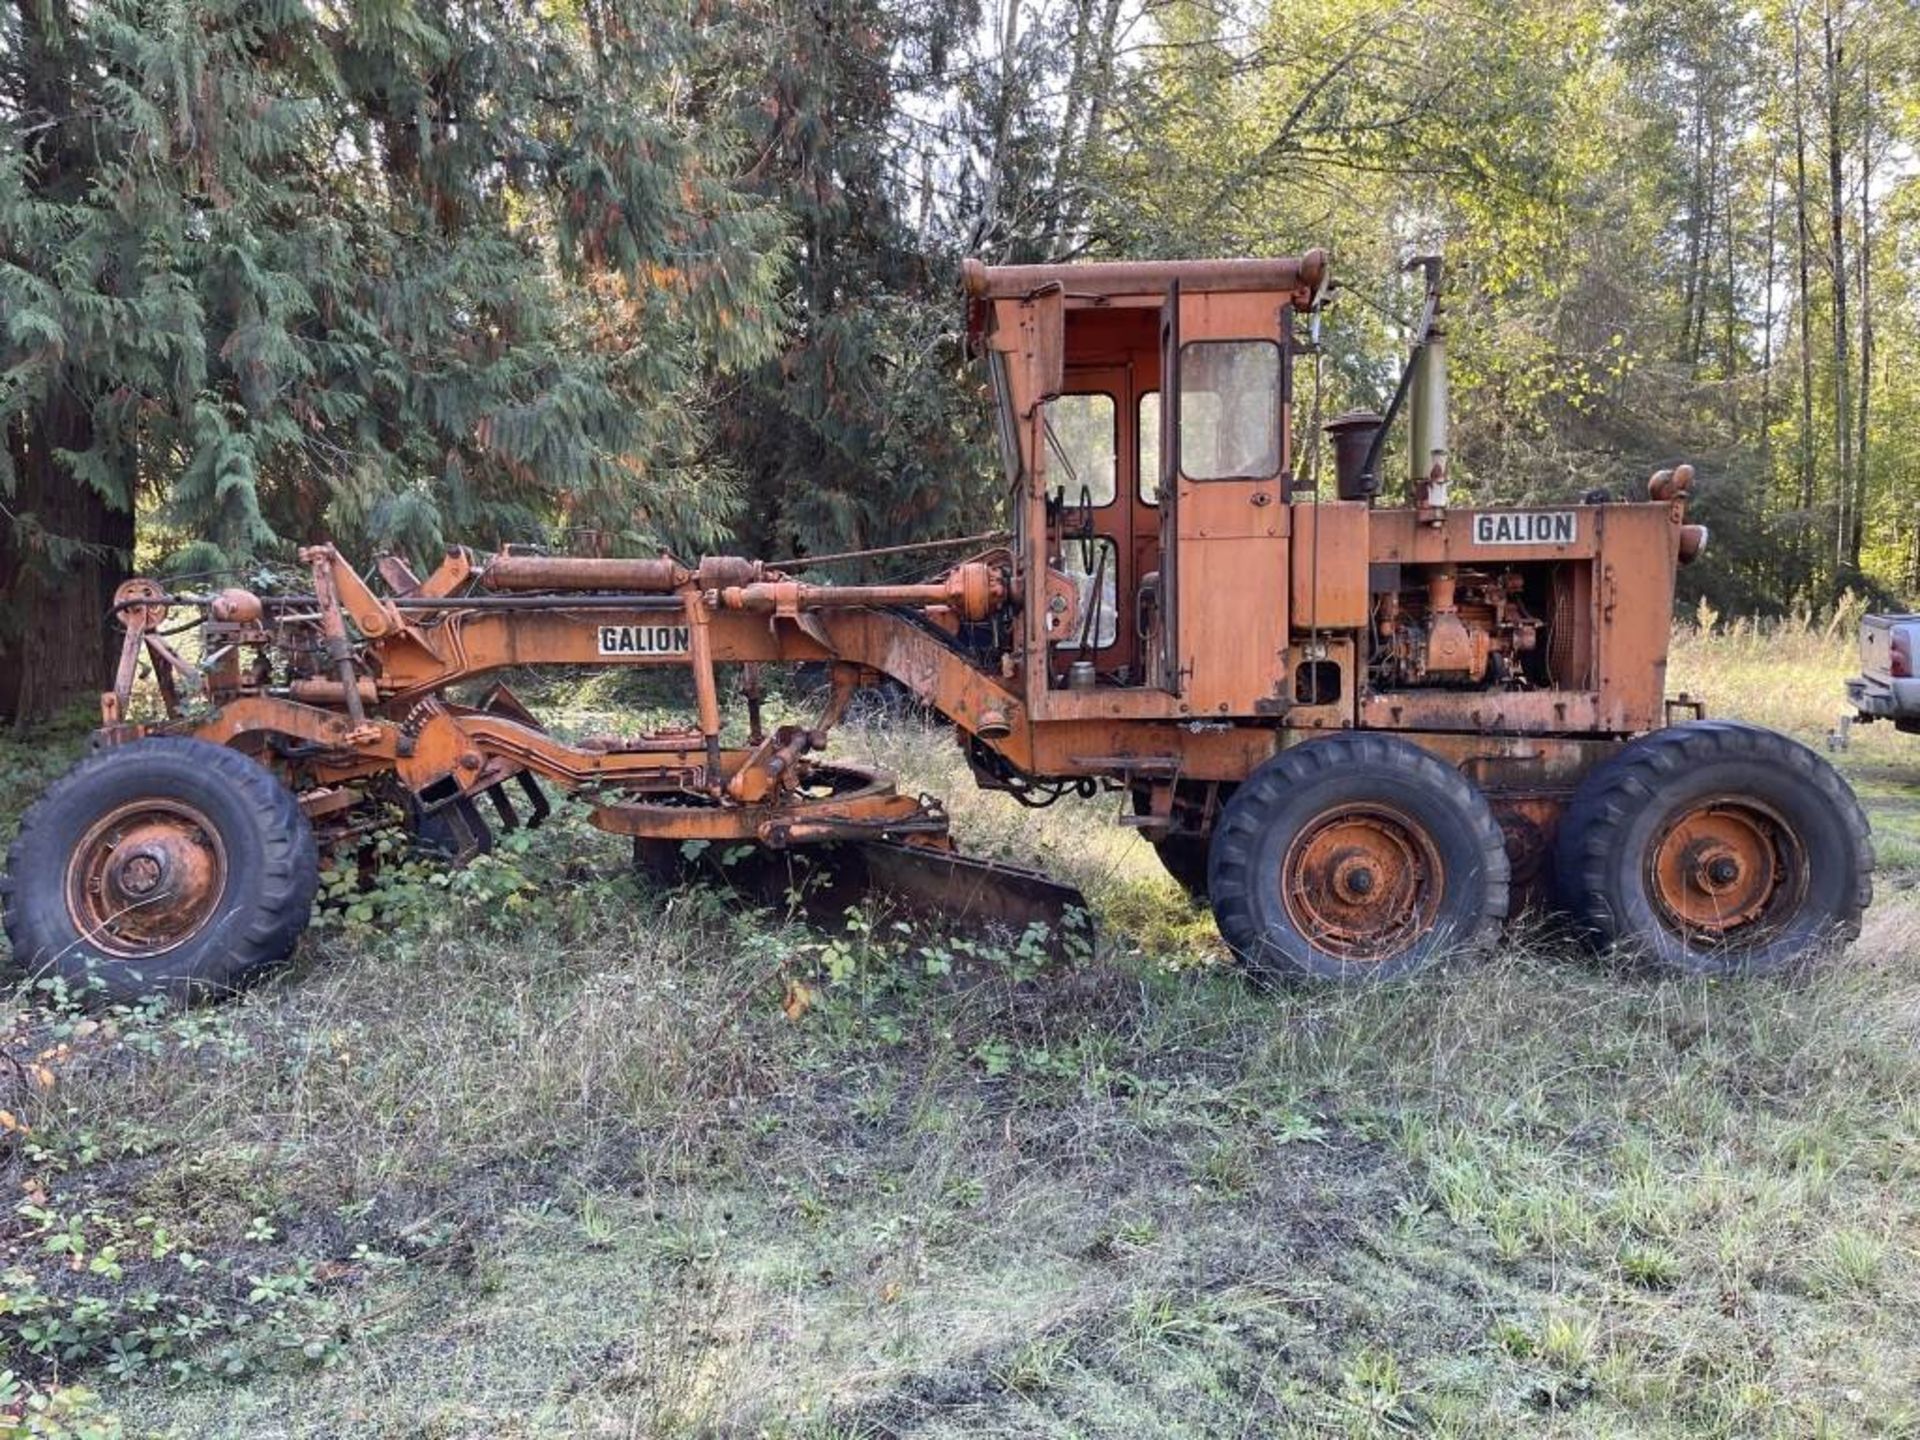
{"x":142,"y":600}
{"x":146,"y":878}
{"x":1724,"y":865}
{"x":1362,"y":882}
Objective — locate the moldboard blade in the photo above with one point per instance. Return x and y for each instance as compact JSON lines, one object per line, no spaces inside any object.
{"x":984,"y":895}
{"x":926,"y":887}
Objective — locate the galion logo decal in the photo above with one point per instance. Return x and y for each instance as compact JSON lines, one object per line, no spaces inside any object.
{"x":644,"y":639}
{"x":1525,"y":527}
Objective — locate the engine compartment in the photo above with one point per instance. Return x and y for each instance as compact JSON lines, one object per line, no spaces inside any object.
{"x":1451,"y":626}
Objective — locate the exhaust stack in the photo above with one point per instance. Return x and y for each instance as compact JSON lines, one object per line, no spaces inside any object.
{"x":1428,"y":402}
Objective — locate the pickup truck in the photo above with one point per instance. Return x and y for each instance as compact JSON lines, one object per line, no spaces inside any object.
{"x":1888,"y":685}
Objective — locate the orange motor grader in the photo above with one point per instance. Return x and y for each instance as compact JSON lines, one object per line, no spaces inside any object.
{"x":1366,"y":732}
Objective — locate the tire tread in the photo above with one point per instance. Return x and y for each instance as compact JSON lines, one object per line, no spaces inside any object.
{"x":276,"y":914}
{"x":1238,"y":834}
{"x":1593,"y":826}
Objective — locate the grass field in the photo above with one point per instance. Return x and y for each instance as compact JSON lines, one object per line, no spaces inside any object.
{"x":537,"y":1151}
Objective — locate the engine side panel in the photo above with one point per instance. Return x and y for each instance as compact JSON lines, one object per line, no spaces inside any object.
{"x":1536,"y":621}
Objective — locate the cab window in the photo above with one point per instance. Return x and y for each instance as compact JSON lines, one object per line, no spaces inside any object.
{"x":1003,"y":422}
{"x":1093,"y":568}
{"x":1081,"y":446}
{"x":1230,"y":410}
{"x":1149,"y":451}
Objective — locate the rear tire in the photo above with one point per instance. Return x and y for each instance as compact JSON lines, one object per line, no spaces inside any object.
{"x":168,"y":866}
{"x":1356,"y":857}
{"x":1716,"y":848}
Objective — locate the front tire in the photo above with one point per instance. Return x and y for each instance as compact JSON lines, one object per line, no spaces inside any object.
{"x":1356,"y":857}
{"x":1716,"y":848}
{"x":168,"y":866}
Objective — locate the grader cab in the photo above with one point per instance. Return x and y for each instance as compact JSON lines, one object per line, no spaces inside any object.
{"x":1365,"y":731}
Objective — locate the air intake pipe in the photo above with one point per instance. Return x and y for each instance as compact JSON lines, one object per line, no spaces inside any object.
{"x":1423,"y":390}
{"x":1427,"y":405}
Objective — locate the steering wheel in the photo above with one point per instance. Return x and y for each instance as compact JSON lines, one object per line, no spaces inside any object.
{"x":1083,"y":531}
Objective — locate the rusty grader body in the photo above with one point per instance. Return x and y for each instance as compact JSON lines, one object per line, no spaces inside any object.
{"x":1366,"y":732}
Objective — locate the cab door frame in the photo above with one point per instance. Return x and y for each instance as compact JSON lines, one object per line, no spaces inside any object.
{"x":1230,"y":560}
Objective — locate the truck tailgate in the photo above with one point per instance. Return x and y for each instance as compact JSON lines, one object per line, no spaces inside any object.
{"x":1876,"y":644}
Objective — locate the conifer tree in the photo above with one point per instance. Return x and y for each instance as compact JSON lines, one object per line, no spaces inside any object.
{"x":403,"y":274}
{"x":867,"y":427}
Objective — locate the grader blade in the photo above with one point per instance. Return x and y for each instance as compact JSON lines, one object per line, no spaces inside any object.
{"x":935,"y":891}
{"x":990,"y":896}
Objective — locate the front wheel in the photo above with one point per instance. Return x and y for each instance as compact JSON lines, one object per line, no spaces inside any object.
{"x":168,"y":866}
{"x":1715,"y":848}
{"x":1356,"y":857}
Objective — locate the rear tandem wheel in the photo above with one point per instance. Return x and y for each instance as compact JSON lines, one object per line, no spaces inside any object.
{"x":1715,"y":848}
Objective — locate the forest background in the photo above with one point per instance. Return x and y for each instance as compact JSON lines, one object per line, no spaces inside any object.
{"x":627,"y":273}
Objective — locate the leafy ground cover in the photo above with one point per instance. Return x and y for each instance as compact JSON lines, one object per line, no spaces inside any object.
{"x":536,"y":1150}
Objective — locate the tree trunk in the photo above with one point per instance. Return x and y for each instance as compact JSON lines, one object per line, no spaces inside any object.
{"x":1729,"y":338}
{"x":63,"y":549}
{"x":1696,"y":230}
{"x":57,"y":645}
{"x":1766,"y":327}
{"x":1064,"y":159}
{"x":1837,"y":241}
{"x":1101,"y":86}
{"x":1856,"y":540}
{"x":1703,"y":286}
{"x":991,"y":220}
{"x":1804,"y":248}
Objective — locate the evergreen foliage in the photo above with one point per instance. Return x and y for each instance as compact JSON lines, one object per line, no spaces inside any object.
{"x":867,"y":427}
{"x":618,"y":273}
{"x":402,"y":274}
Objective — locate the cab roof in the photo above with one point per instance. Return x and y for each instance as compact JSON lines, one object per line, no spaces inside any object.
{"x":1300,"y":276}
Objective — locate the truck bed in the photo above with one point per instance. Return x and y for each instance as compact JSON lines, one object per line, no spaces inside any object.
{"x":1886,"y":688}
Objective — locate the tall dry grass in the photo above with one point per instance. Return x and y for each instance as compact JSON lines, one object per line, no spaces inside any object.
{"x":1787,"y":673}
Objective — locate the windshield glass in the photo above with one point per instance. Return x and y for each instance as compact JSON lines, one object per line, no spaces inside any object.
{"x":1080,"y":447}
{"x":1003,"y":425}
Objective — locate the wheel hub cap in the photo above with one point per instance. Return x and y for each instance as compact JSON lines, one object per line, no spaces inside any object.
{"x":146,"y":878}
{"x":1362,"y":883}
{"x":140,"y":874}
{"x":1725,"y":866}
